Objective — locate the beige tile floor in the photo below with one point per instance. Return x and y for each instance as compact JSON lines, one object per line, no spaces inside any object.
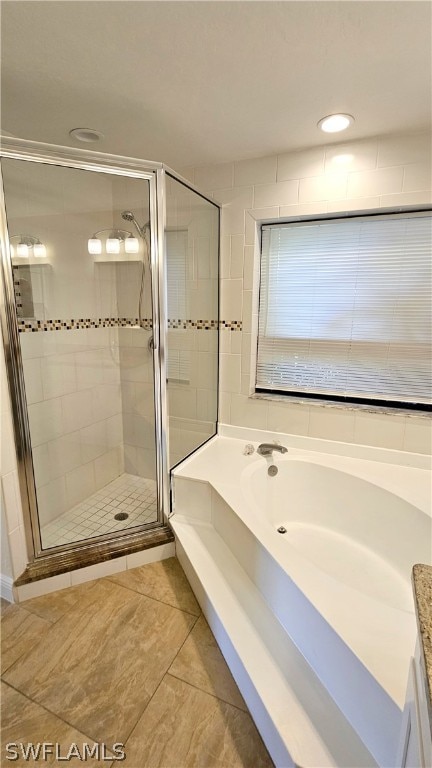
{"x":128,"y":658}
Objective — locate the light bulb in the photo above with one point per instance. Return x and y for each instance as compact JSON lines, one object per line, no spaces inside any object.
{"x":335,"y":123}
{"x":94,"y":246}
{"x":113,"y":245}
{"x":22,"y":250}
{"x":39,"y":250}
{"x":131,"y":245}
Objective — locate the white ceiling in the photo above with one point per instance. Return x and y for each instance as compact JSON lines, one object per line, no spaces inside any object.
{"x":192,"y":83}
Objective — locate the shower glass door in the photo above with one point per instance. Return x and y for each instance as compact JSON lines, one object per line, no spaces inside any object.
{"x":192,"y":278}
{"x":80,"y":250}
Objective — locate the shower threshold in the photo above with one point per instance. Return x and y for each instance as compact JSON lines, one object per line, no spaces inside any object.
{"x":99,"y":514}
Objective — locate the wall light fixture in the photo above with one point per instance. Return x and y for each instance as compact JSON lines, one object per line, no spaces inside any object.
{"x":111,"y":240}
{"x":27,"y":246}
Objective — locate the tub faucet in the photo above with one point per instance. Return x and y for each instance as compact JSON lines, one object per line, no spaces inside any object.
{"x":266,"y":449}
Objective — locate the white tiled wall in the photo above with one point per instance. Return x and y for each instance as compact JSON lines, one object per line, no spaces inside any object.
{"x":137,"y":396}
{"x":74,"y":413}
{"x":381,"y":172}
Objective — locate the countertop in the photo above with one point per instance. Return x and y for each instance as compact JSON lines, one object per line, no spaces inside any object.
{"x":422,"y":583}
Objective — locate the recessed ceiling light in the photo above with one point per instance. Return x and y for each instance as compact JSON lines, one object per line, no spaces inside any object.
{"x":335,"y":123}
{"x":87,"y":135}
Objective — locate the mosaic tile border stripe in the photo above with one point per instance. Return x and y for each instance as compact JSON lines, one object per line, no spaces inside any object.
{"x":32,"y":326}
{"x":206,"y":325}
{"x":35,"y":326}
{"x":230,"y":325}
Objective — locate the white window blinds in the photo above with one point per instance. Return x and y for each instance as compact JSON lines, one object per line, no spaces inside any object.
{"x":345,"y":309}
{"x":178,"y":360}
{"x":176,"y":255}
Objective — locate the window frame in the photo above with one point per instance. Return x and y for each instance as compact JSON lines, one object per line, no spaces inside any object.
{"x":320,"y":398}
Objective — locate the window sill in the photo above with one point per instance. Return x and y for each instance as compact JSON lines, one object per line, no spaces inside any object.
{"x":318,"y":403}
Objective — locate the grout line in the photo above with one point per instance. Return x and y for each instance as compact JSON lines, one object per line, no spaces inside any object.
{"x":50,"y":712}
{"x":146,"y":705}
{"x":79,"y":598}
{"x":62,"y":719}
{"x":142,"y":712}
{"x":186,"y":638}
{"x":196,"y":686}
{"x":111,"y":578}
{"x":33,"y":613}
{"x":166,"y":673}
{"x":159,"y":684}
{"x":213,"y":695}
{"x":25,"y":651}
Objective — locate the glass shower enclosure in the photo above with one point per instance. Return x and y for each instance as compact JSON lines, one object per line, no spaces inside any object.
{"x":110,"y":324}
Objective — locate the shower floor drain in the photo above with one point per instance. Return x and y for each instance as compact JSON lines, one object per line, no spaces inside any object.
{"x":121,"y":516}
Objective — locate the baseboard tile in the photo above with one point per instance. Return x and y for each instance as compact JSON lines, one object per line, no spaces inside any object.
{"x":6,"y":585}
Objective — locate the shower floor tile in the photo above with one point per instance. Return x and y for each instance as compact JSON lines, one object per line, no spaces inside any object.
{"x":129,"y":494}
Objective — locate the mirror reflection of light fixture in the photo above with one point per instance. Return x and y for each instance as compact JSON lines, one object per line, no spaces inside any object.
{"x":112,"y":245}
{"x":94,"y":246}
{"x":27,"y":246}
{"x":113,"y":240}
{"x":131,"y":244}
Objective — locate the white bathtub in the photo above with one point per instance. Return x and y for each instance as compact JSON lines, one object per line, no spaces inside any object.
{"x":338,"y":579}
{"x":354,"y":530}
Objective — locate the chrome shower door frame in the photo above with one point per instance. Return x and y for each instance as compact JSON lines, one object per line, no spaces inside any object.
{"x":64,"y":557}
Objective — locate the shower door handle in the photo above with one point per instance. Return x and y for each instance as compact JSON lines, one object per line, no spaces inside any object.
{"x":151,"y":346}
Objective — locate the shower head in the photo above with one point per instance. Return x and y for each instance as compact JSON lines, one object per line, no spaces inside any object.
{"x":129,"y":216}
{"x":144,"y":233}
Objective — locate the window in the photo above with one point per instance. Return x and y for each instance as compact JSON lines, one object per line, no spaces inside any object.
{"x":345,"y":309}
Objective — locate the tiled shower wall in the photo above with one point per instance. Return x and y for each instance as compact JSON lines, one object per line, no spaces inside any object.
{"x":137,"y":393}
{"x":135,"y":358}
{"x":381,"y":172}
{"x":74,"y":396}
